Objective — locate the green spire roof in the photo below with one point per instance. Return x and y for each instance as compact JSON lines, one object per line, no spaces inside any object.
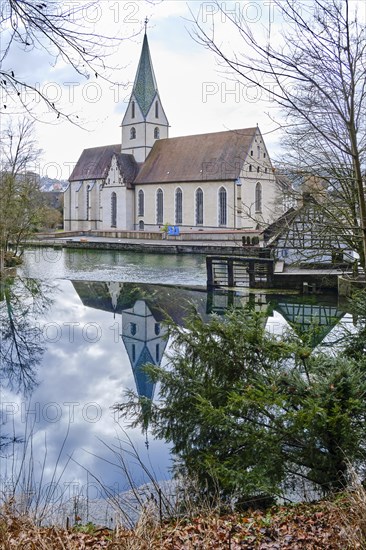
{"x":145,"y":87}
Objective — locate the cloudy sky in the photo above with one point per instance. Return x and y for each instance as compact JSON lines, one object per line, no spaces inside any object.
{"x":196,"y":95}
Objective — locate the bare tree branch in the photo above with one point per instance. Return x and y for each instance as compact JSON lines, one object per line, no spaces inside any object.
{"x":59,"y":29}
{"x":316,"y":74}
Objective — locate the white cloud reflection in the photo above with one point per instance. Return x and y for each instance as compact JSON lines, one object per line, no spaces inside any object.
{"x":83,"y":373}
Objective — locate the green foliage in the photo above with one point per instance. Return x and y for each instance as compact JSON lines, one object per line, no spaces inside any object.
{"x":356,"y":341}
{"x":52,"y":217}
{"x":22,"y":209}
{"x":89,"y":528}
{"x":11,"y":260}
{"x":164,"y":228}
{"x":245,"y":411}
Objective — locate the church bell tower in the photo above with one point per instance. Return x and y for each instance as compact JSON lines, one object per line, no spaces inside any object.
{"x":144,"y":121}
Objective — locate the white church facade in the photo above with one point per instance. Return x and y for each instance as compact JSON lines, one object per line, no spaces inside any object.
{"x":198,"y":182}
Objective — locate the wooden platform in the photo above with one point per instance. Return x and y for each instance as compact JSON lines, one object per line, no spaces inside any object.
{"x":237,"y":271}
{"x":267,"y":273}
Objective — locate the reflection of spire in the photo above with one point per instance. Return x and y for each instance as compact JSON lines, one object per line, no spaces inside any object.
{"x":145,"y":342}
{"x":114,"y":289}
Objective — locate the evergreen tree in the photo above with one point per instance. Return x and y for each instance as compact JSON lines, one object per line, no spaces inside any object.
{"x":246,"y":412}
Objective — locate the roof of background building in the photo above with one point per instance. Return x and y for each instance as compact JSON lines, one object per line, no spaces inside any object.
{"x":94,"y":164}
{"x":283,"y":181}
{"x":204,"y":157}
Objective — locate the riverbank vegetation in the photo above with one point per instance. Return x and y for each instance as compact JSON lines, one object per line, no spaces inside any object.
{"x":23,"y":207}
{"x":256,"y":416}
{"x":259,"y":418}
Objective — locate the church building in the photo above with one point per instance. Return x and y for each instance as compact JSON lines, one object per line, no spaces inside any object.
{"x":198,"y":182}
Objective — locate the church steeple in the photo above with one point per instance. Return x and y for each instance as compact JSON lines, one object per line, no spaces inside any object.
{"x":144,"y":121}
{"x":145,"y":87}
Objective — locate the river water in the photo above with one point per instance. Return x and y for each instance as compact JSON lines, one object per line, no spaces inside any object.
{"x":77,"y":327}
{"x":104,"y":265}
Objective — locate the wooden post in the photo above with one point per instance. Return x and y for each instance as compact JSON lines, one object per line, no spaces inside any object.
{"x":210,"y":301}
{"x":209,"y":272}
{"x":230,"y":272}
{"x":251,"y":274}
{"x":270,"y":274}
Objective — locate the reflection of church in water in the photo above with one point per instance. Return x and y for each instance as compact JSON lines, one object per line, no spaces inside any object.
{"x":142,"y":308}
{"x":145,"y":341}
{"x":141,"y":329}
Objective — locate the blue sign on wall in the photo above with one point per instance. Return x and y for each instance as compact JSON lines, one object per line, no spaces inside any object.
{"x":173,"y":230}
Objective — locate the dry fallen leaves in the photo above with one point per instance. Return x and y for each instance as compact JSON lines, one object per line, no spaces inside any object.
{"x":305,"y":526}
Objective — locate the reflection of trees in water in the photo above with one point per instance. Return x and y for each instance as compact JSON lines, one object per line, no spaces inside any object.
{"x":21,"y":302}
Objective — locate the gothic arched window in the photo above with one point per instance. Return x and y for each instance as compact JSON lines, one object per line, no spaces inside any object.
{"x":159,"y":206}
{"x":133,"y":133}
{"x":199,"y":206}
{"x":156,"y":133}
{"x":113,"y":210}
{"x":88,"y":202}
{"x":178,"y":206}
{"x":222,"y":206}
{"x":258,"y":197}
{"x":141,"y":203}
{"x":100,"y":195}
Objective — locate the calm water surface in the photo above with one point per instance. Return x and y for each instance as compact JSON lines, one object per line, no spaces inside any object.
{"x":102,"y":265}
{"x":76,"y":329}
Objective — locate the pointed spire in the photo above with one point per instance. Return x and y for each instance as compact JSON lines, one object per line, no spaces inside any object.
{"x":145,"y":86}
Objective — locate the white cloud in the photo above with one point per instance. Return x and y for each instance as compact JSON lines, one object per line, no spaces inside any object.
{"x":197,"y":97}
